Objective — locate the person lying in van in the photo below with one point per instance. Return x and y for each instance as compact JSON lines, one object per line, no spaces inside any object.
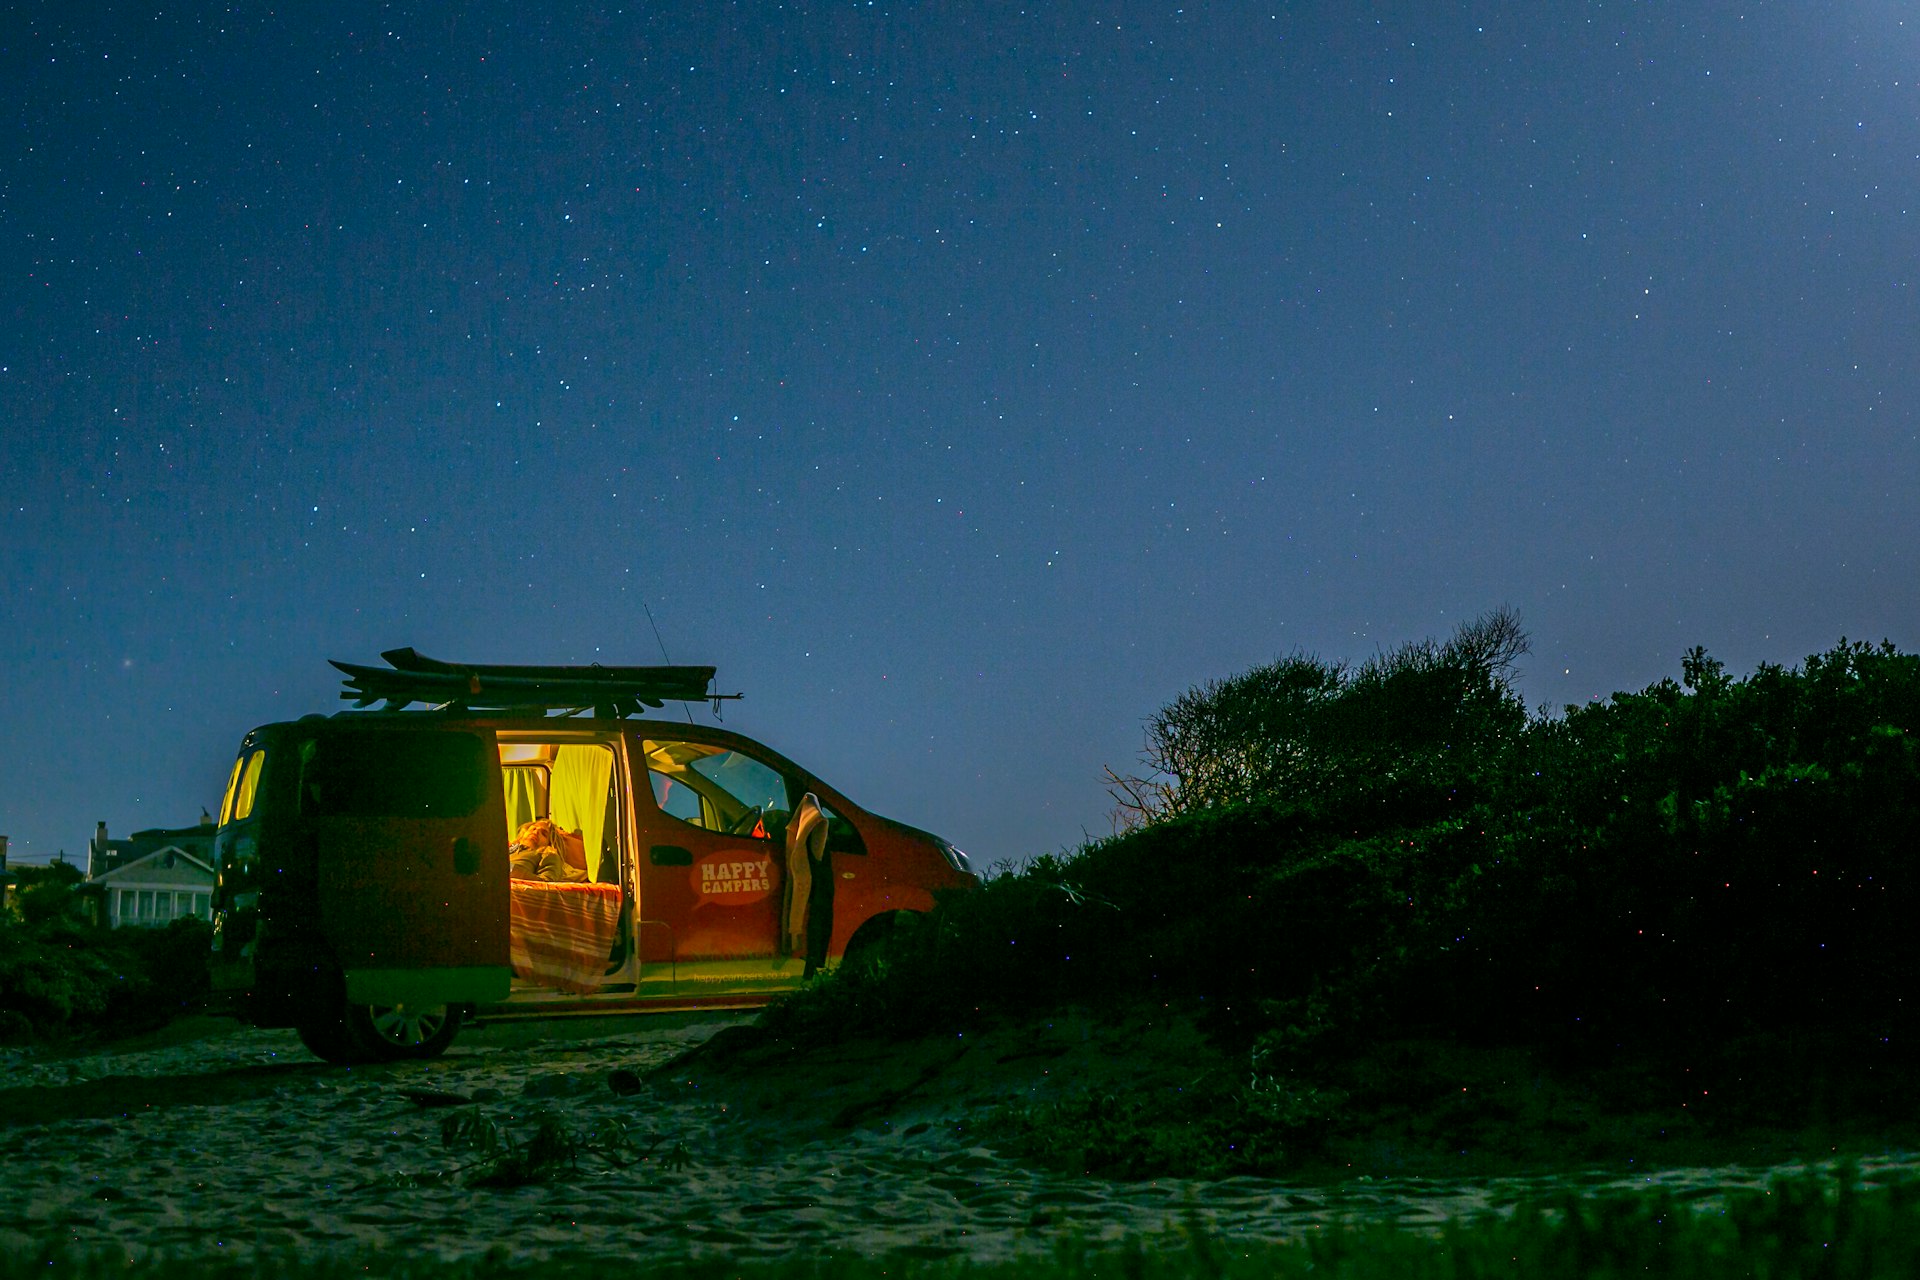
{"x":544,"y":850}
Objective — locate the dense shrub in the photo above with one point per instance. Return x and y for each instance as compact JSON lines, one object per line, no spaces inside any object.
{"x":1424,"y":717}
{"x":1715,"y":876}
{"x":1712,"y":859}
{"x":62,"y":977}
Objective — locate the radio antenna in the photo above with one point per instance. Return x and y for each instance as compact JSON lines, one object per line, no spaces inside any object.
{"x":663,"y":651}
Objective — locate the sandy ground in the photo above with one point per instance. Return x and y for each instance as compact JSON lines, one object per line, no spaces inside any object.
{"x":239,"y":1140}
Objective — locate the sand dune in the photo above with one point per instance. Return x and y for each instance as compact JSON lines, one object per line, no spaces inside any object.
{"x":239,"y":1140}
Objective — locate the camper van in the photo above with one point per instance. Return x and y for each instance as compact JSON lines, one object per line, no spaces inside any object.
{"x":386,"y":875}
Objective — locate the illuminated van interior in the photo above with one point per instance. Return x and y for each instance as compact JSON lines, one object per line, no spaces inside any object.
{"x":573,"y":785}
{"x":566,"y":934}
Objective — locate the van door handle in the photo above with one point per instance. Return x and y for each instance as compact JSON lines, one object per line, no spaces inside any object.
{"x":466,"y":859}
{"x":671,"y":855}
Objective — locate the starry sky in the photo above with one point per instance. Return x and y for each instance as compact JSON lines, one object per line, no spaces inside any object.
{"x":964,"y":381}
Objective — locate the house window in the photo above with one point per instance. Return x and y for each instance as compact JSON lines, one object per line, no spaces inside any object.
{"x":145,"y":915}
{"x":126,"y":902}
{"x":200,"y":905}
{"x":163,"y":907}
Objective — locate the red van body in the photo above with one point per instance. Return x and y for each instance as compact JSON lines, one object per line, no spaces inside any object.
{"x":372,"y":892}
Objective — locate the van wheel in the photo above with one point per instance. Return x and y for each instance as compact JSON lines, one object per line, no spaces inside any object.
{"x":327,"y":1041}
{"x":870,"y":937}
{"x":397,"y":1032}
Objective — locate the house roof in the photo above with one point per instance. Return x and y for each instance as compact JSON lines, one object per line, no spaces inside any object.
{"x":205,"y":829}
{"x":176,"y":850}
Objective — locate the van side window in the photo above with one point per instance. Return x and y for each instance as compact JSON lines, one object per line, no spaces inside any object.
{"x":717,"y":788}
{"x":677,"y":801}
{"x":371,"y":774}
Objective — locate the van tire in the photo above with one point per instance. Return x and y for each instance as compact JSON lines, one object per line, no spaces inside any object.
{"x":873,"y":935}
{"x":326,"y":1039}
{"x":398,"y":1033}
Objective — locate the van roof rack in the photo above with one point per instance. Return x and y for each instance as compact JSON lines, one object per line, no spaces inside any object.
{"x":611,"y":692}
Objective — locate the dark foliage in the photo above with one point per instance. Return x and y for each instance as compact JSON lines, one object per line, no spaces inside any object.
{"x":1712,"y":879}
{"x":62,"y":977}
{"x":1419,"y":717}
{"x":1692,"y":864}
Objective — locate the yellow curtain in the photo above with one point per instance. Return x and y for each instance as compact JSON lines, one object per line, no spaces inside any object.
{"x":578,"y":800}
{"x":526,"y":795}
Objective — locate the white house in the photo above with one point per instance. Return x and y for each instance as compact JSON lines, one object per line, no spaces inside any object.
{"x":157,"y":888}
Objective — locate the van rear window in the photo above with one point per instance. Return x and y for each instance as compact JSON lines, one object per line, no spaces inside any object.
{"x":411,"y":774}
{"x":242,"y":787}
{"x":247,"y":787}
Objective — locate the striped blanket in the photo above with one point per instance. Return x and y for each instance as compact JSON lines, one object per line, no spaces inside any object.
{"x":562,"y":934}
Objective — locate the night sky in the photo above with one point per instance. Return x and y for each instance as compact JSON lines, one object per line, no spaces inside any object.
{"x":964,"y":381}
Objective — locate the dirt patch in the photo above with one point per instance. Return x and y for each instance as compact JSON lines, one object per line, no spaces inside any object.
{"x":884,"y":1084}
{"x":745,"y":1148}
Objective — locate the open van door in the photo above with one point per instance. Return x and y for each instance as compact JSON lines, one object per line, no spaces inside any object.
{"x":411,"y":862}
{"x":712,"y":862}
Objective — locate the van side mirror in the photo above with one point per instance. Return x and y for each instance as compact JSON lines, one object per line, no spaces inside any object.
{"x":671,"y":855}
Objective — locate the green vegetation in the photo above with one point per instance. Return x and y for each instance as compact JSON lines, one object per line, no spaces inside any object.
{"x":63,"y":977}
{"x":1797,"y":1229}
{"x":1424,"y":918}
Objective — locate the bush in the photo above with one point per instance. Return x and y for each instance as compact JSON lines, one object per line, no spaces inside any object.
{"x":62,"y":978}
{"x":1708,"y":884}
{"x":1424,"y":716}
